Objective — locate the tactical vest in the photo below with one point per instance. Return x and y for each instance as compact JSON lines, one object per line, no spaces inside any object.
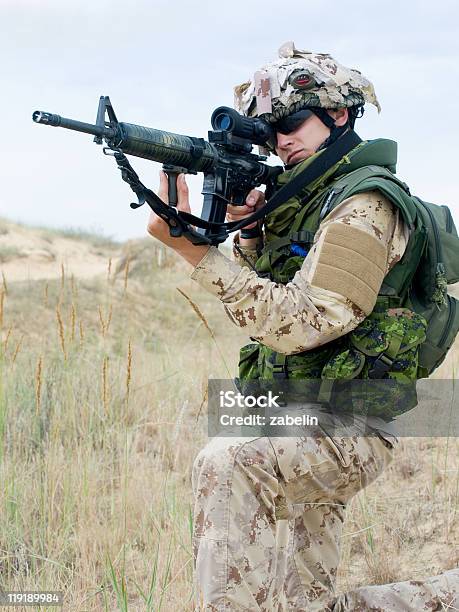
{"x":404,"y":338}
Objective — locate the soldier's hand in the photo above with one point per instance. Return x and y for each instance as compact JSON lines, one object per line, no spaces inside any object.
{"x":156,"y":226}
{"x":254,"y":201}
{"x":159,"y":229}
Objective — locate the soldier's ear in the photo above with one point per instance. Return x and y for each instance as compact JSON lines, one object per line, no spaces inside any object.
{"x":341,"y":116}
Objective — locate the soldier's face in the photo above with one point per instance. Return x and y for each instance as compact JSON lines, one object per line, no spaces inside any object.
{"x":303,"y":142}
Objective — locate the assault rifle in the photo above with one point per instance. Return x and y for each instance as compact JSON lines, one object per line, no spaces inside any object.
{"x":230,"y":169}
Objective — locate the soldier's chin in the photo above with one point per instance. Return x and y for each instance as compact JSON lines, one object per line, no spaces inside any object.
{"x":297,"y":158}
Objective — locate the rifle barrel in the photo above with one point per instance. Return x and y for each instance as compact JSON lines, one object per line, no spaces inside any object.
{"x":149,"y":143}
{"x":71,"y":124}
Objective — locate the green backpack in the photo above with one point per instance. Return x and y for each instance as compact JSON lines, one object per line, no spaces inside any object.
{"x":433,"y":244}
{"x":438,"y":267}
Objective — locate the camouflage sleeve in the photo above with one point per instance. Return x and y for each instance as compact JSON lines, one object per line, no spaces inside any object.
{"x":299,"y":315}
{"x":372,"y":212}
{"x":249,"y":253}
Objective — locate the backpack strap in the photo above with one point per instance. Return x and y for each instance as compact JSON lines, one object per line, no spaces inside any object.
{"x":370,"y":178}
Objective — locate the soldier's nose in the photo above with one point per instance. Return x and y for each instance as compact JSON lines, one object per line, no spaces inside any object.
{"x":284,"y":140}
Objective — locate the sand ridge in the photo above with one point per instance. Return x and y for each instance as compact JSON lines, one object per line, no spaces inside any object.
{"x":32,"y":254}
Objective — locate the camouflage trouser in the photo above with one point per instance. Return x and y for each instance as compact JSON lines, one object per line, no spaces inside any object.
{"x":269,"y":514}
{"x":434,"y":594}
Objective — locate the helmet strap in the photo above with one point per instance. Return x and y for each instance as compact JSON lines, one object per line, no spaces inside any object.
{"x":328,"y":121}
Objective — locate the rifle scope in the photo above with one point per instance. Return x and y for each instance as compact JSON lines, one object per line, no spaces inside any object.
{"x":255,"y":130}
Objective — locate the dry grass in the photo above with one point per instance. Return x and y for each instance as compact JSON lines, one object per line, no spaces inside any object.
{"x":102,"y":381}
{"x":101,"y":414}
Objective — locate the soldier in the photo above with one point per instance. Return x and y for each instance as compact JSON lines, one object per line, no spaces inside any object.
{"x":269,"y":511}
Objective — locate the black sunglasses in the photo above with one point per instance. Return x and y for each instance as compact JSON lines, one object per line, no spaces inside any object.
{"x":288,"y":124}
{"x":292,"y":122}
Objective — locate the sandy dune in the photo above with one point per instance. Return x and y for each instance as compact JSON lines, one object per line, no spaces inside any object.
{"x":29,"y":253}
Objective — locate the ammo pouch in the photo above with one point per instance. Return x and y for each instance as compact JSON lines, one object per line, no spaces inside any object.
{"x":371,"y":370}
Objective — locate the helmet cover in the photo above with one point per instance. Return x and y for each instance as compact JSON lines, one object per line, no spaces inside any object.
{"x":299,"y":79}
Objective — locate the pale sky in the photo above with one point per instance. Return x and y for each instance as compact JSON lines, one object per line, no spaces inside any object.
{"x":169,"y":64}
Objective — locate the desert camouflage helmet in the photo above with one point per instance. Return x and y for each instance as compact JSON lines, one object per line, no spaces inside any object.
{"x":299,"y":79}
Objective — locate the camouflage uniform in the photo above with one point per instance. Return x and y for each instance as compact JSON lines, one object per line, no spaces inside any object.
{"x":269,"y":515}
{"x":269,"y":512}
{"x":436,"y":593}
{"x":300,"y":316}
{"x":268,"y":519}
